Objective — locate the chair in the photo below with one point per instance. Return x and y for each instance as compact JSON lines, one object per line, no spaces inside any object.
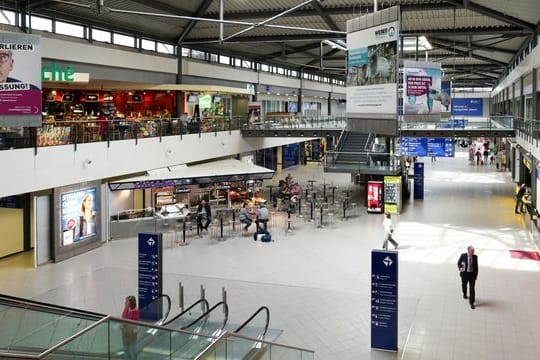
{"x":114,"y":132}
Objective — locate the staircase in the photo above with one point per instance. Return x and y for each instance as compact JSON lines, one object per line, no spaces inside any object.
{"x":352,"y":149}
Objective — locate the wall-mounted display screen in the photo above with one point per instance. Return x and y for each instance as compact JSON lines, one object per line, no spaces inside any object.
{"x":192,"y":98}
{"x":136,"y":98}
{"x":78,"y":215}
{"x":67,"y":97}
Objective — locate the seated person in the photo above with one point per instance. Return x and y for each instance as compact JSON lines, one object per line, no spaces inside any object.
{"x":262,"y":217}
{"x":244,"y":217}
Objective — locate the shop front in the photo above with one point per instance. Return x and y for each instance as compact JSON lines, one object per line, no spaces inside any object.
{"x":160,"y":200}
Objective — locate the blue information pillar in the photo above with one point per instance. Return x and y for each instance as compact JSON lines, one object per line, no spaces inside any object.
{"x":418,"y":180}
{"x":384,"y":300}
{"x":150,"y":275}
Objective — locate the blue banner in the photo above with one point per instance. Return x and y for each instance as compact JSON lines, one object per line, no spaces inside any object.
{"x":150,"y":274}
{"x":467,"y":107}
{"x":446,"y":95}
{"x":418,"y":180}
{"x":384,"y":300}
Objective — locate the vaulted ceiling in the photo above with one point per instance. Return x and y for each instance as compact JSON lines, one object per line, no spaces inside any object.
{"x":475,"y":40}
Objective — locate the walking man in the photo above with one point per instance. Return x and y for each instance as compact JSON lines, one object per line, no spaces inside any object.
{"x":519,"y":198}
{"x":468,"y":270}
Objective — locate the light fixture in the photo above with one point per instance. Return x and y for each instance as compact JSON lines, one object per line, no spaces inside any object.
{"x":335,"y":45}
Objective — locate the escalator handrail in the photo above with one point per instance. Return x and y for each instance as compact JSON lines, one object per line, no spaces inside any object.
{"x":206,"y":314}
{"x":205,"y":305}
{"x":50,"y":308}
{"x":165,"y":296}
{"x":267,"y":310}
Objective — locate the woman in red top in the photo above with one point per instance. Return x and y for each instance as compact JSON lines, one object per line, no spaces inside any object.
{"x":129,"y":332}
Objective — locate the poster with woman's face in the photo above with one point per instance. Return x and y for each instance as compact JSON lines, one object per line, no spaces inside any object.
{"x":78,"y":215}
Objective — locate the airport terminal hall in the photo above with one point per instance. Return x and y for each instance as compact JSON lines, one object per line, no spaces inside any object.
{"x":269,"y":180}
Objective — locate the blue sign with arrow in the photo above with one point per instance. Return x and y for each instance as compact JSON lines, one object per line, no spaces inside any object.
{"x":384,"y":300}
{"x":150,"y":274}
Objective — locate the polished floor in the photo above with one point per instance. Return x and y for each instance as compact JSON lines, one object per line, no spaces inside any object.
{"x":317,"y":281}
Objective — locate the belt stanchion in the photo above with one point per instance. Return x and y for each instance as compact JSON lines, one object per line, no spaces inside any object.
{"x":333,"y":193}
{"x":300,"y":207}
{"x":306,"y":193}
{"x":324,"y":190}
{"x":221,"y":228}
{"x":183,"y":243}
{"x":234,"y":221}
{"x":344,"y":208}
{"x":289,"y":229}
{"x":321,"y":223}
{"x":311,"y":211}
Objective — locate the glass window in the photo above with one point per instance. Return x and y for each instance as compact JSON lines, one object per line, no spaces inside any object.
{"x":196,"y":54}
{"x":124,"y":40}
{"x":247,"y":64}
{"x":265,"y":67}
{"x":101,"y":35}
{"x":280,"y":71}
{"x":185,"y":52}
{"x":213,"y":58}
{"x":238,"y":62}
{"x":70,"y":29}
{"x":148,"y":45}
{"x":165,"y":48}
{"x":294,"y":73}
{"x":224,"y":60}
{"x":7,"y":17}
{"x":39,"y":23}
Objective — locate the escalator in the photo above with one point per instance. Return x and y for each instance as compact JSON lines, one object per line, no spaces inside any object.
{"x":157,"y":311}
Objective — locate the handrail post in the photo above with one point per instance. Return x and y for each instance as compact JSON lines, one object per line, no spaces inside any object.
{"x":180,"y":296}
{"x":203,"y":296}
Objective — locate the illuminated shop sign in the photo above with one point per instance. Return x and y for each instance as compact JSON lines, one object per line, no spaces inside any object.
{"x":55,"y":72}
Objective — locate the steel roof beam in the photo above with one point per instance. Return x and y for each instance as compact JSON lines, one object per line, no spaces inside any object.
{"x":273,"y":38}
{"x":466,"y":4}
{"x":473,"y":46}
{"x":470,"y":54}
{"x":200,"y":12}
{"x":496,"y":30}
{"x":321,"y":12}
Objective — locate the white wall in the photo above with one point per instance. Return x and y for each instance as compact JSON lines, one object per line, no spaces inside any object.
{"x":60,"y":165}
{"x":530,"y":62}
{"x":202,"y":69}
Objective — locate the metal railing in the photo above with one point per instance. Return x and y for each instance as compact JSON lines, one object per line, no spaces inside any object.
{"x":94,"y":130}
{"x":362,"y":161}
{"x":304,"y":122}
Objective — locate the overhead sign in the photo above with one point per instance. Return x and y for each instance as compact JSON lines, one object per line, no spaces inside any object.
{"x":468,"y":107}
{"x":384,"y":300}
{"x":20,"y":81}
{"x":150,"y":274}
{"x":420,"y":146}
{"x":57,"y":73}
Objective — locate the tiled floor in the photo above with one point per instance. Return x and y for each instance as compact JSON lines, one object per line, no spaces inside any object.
{"x":316,"y":281}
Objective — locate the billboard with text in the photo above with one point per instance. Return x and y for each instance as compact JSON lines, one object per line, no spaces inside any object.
{"x":421,"y":91}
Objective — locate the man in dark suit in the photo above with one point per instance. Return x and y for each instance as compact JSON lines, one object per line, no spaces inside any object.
{"x":468,"y":270}
{"x":204,"y":214}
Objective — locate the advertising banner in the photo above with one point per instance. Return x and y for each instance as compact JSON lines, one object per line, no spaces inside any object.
{"x":20,"y":79}
{"x":371,"y":72}
{"x":78,"y":215}
{"x":468,"y":107}
{"x":375,"y":197}
{"x":421,"y":91}
{"x":384,"y":300}
{"x":392,"y":194}
{"x":446,"y":95}
{"x":150,"y":275}
{"x":254,"y":112}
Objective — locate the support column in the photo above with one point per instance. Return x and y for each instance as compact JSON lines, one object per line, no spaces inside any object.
{"x":299,"y":101}
{"x":279,"y":160}
{"x":513,"y":101}
{"x":534,"y":114}
{"x":179,"y":77}
{"x":329,"y":103}
{"x":521,"y":111}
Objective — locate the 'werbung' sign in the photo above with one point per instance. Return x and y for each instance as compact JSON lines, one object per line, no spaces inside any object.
{"x":20,"y":80}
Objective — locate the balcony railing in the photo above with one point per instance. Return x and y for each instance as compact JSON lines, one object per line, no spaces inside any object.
{"x":94,"y":130}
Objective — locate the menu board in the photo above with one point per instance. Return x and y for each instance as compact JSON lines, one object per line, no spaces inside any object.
{"x":390,"y":193}
{"x":150,"y":274}
{"x":384,"y":300}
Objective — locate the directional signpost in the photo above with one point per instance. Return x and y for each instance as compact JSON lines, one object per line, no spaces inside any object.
{"x":150,"y":274}
{"x":384,"y":300}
